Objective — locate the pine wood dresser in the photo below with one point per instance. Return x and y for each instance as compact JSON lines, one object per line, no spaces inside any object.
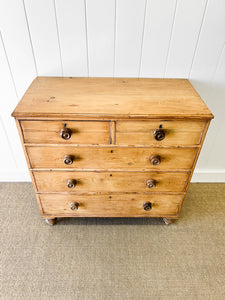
{"x":104,"y":147}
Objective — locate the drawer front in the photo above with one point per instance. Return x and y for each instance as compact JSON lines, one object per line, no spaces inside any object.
{"x":171,"y":133}
{"x":109,"y":158}
{"x":75,"y":132}
{"x":110,"y":206}
{"x":72,"y":182}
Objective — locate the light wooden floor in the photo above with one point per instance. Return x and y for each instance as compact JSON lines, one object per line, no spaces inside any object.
{"x":113,"y":258}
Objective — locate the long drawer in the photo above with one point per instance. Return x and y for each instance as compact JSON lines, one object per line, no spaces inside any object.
{"x":111,"y":158}
{"x":173,"y":133}
{"x":66,"y":132}
{"x":72,"y":182}
{"x":110,"y":206}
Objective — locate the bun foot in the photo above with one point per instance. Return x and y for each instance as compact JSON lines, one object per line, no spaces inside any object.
{"x":50,"y":221}
{"x":167,"y":221}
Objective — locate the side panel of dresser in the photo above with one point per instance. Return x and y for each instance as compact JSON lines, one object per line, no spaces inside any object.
{"x":28,"y":164}
{"x":195,"y":159}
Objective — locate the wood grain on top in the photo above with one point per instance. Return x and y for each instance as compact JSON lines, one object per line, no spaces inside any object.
{"x":111,"y":98}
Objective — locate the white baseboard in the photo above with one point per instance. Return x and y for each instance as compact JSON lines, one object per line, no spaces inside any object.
{"x":198,"y":176}
{"x":208,"y":176}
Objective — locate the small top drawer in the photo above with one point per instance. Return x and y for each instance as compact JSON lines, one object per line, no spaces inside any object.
{"x":66,"y":132}
{"x":159,"y":133}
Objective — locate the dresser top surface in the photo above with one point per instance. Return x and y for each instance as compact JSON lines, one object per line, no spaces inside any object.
{"x":111,"y":98}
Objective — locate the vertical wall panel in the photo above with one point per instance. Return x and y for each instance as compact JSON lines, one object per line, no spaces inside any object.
{"x":44,"y":36}
{"x":129,"y":34}
{"x":209,"y":47}
{"x":6,"y":158}
{"x":14,"y":141}
{"x":212,"y":156}
{"x":205,"y":62}
{"x":100,"y":34}
{"x":17,"y":43}
{"x":217,"y":159}
{"x":184,"y":37}
{"x":8,"y":99}
{"x":157,"y":32}
{"x":6,"y":87}
{"x":72,"y":36}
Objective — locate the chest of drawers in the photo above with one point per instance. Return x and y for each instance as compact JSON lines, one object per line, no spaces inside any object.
{"x":104,"y":147}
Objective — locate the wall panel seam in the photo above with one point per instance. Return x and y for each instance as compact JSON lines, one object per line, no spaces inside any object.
{"x":114,"y":58}
{"x":213,"y":80}
{"x":218,"y":63}
{"x":31,"y":43}
{"x":142,"y":39}
{"x":199,"y":33}
{"x":86,"y":30}
{"x":9,"y":144}
{"x":57,"y":30}
{"x":171,"y":33}
{"x":10,"y":70}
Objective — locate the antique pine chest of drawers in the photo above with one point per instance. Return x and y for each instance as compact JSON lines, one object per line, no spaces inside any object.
{"x":111,"y":147}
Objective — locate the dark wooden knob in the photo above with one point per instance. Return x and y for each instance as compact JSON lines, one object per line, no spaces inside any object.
{"x":155,"y":160}
{"x":74,"y":205}
{"x":151,"y":183}
{"x":159,"y":134}
{"x":147,"y":206}
{"x":71,"y":183}
{"x":68,"y":159}
{"x":66,"y":133}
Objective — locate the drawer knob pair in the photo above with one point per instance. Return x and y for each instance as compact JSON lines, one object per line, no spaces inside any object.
{"x":159,"y":134}
{"x":71,"y":183}
{"x":155,"y":160}
{"x":65,"y":133}
{"x":74,"y":205}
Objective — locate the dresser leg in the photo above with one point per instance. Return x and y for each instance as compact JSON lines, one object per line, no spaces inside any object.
{"x":50,"y":221}
{"x":167,"y":221}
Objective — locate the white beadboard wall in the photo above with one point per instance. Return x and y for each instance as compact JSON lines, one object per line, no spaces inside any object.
{"x":113,"y":38}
